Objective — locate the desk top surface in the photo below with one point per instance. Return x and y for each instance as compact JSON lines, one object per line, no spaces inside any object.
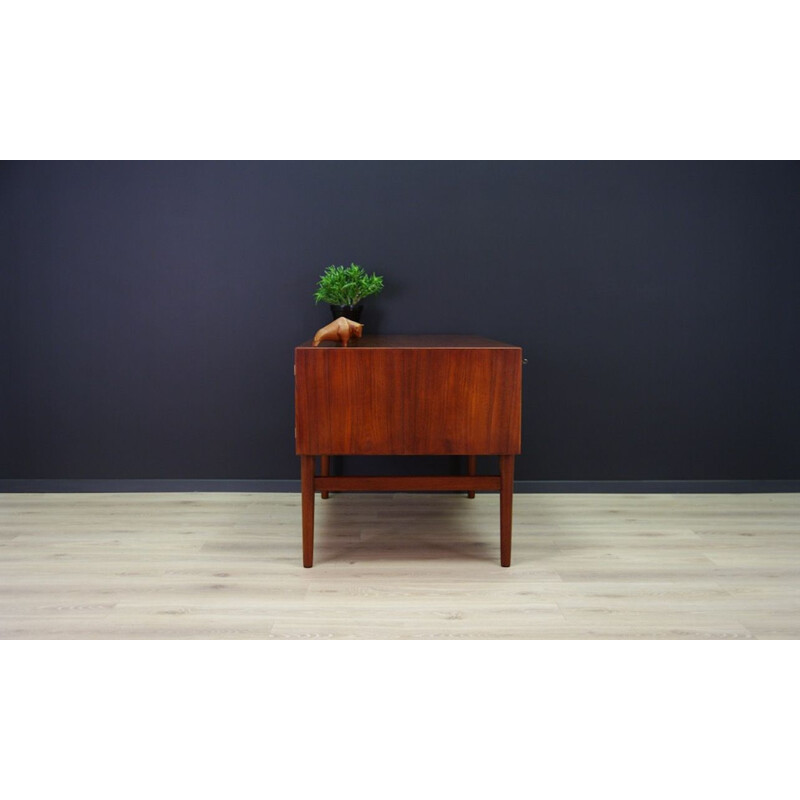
{"x":415,"y":341}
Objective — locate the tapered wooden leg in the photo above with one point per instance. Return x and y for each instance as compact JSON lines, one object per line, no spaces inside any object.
{"x":325,"y":470}
{"x":472,"y":467}
{"x":506,"y":502}
{"x":307,"y":493}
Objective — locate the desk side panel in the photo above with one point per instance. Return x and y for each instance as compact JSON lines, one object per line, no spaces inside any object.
{"x":408,"y":402}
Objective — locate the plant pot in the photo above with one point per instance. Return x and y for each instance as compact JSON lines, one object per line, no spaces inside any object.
{"x":349,"y":312}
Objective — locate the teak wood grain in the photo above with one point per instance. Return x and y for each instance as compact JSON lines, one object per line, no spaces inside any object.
{"x":441,"y":400}
{"x":408,"y":395}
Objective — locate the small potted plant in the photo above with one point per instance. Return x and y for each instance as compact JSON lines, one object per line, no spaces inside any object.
{"x":343,"y":288}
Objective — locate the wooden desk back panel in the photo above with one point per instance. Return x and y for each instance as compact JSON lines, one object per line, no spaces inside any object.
{"x":408,"y":400}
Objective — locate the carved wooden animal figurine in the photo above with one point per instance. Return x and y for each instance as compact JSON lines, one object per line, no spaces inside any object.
{"x":341,"y":329}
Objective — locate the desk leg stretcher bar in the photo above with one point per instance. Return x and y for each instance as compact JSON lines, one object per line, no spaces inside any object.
{"x":311,"y":484}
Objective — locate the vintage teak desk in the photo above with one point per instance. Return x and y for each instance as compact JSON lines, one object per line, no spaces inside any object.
{"x":408,"y":395}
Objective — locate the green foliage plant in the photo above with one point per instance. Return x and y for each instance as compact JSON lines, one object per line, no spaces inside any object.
{"x":346,"y":286}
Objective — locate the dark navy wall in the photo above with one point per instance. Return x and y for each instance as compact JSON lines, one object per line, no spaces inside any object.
{"x":149,"y":310}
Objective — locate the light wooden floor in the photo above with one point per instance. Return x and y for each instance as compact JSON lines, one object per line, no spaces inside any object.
{"x":219,"y":566}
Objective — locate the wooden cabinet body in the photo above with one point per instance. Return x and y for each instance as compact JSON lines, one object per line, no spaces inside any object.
{"x":406,"y":395}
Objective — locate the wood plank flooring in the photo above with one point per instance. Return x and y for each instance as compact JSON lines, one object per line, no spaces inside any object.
{"x":405,"y":566}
